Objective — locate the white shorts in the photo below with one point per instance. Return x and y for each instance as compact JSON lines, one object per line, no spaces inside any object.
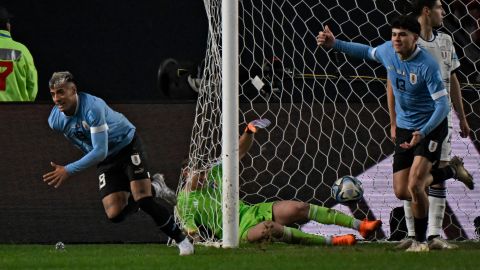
{"x":446,"y":154}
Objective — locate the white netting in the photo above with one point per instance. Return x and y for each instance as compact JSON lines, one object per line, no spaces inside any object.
{"x":329,"y":114}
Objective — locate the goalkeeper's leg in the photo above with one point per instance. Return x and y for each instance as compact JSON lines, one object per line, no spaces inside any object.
{"x":274,"y":231}
{"x":289,"y":212}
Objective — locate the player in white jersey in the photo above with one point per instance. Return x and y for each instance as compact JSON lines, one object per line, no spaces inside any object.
{"x":440,"y":45}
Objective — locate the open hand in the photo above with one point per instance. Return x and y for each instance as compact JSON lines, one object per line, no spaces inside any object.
{"x":57,"y":176}
{"x":416,"y":137}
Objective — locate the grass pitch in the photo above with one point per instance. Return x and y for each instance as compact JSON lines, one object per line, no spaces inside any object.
{"x":273,"y":256}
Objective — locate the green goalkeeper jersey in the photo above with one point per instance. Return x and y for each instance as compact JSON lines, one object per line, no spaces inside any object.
{"x":18,"y":76}
{"x":203,"y":206}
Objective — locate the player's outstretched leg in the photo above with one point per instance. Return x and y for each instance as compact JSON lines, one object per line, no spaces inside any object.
{"x":273,"y":231}
{"x":330,"y":216}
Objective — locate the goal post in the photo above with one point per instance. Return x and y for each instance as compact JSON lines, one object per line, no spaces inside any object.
{"x":230,"y":112}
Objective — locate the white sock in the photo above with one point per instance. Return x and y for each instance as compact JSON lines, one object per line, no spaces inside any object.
{"x":407,"y":207}
{"x":436,"y":210}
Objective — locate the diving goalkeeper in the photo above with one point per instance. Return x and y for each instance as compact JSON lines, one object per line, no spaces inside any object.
{"x":199,"y":205}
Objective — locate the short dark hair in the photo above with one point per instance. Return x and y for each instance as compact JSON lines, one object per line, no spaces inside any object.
{"x":407,"y":22}
{"x":418,"y":5}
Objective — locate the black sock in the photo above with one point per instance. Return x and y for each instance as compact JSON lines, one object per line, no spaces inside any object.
{"x":162,"y":218}
{"x":130,"y":208}
{"x":420,"y":228}
{"x":442,"y":174}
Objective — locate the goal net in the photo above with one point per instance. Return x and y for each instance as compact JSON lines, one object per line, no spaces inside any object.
{"x":329,"y":112}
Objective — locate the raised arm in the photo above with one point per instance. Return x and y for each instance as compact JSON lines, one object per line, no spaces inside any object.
{"x":327,"y":40}
{"x":246,"y":140}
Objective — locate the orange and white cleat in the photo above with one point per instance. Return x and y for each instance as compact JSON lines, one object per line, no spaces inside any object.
{"x":344,"y":240}
{"x":367,"y":227}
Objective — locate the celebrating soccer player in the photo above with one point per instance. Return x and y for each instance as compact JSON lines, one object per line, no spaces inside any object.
{"x":422,"y":107}
{"x":199,"y":204}
{"x":109,"y":141}
{"x":440,"y":45}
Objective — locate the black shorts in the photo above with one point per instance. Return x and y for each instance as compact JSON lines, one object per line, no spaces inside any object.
{"x":429,"y":147}
{"x":116,"y":172}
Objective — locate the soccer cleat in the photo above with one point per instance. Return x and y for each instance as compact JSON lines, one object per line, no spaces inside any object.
{"x":367,"y":227}
{"x":186,"y":248}
{"x":418,"y":247}
{"x":405,"y":243}
{"x":440,"y":243}
{"x":461,"y":174}
{"x":162,"y":190}
{"x":344,"y":240}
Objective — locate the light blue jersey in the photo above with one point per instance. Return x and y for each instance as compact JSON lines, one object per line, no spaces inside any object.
{"x":95,"y":128}
{"x":421,"y":101}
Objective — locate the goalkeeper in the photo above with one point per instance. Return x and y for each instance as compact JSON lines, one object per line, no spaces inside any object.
{"x":199,"y":204}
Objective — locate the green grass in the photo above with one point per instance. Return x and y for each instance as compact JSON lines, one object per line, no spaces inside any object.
{"x":274,"y":256}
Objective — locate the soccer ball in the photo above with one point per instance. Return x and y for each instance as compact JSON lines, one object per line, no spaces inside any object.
{"x":347,"y":188}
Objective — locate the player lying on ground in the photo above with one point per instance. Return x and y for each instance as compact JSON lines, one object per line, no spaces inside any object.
{"x":109,"y":141}
{"x":199,"y":204}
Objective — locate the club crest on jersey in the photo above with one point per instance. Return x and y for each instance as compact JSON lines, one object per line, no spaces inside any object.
{"x":135,"y":159}
{"x":432,"y":146}
{"x":413,"y":78}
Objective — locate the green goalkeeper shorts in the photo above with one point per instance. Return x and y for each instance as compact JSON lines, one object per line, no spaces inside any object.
{"x":251,"y":215}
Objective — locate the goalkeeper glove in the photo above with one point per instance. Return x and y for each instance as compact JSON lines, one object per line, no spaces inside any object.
{"x":254,"y":125}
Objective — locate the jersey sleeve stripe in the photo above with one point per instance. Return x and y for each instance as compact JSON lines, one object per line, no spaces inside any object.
{"x":372,"y":54}
{"x":98,"y":129}
{"x":439,"y":94}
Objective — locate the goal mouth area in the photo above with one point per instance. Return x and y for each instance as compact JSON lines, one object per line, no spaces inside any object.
{"x":329,"y":112}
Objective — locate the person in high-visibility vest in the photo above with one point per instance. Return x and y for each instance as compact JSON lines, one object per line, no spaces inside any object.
{"x":18,"y":75}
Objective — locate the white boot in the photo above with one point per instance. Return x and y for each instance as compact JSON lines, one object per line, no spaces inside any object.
{"x":185,"y":247}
